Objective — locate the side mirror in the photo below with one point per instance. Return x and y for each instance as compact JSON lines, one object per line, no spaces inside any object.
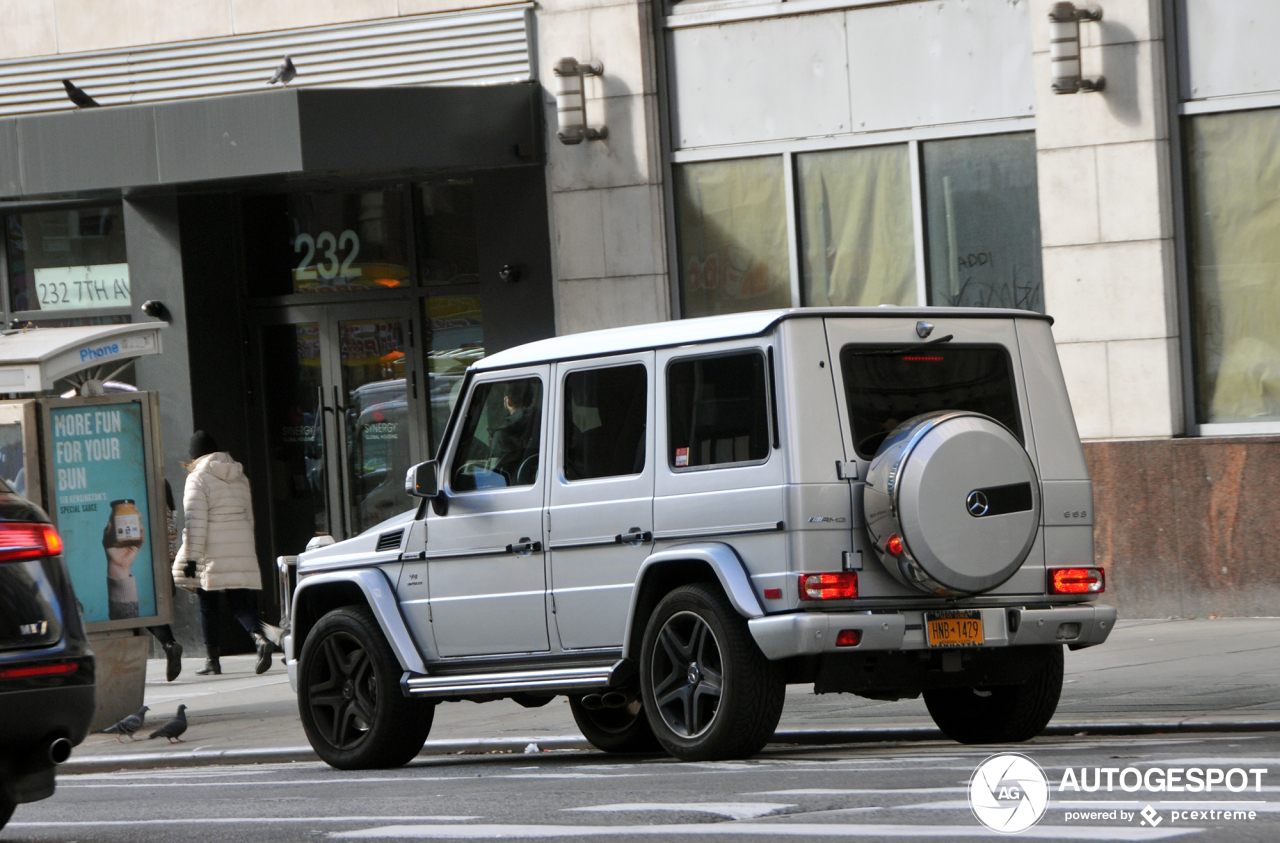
{"x":423,"y":480}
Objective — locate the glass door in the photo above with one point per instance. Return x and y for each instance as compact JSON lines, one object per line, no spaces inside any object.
{"x":343,"y":422}
{"x":373,"y":402}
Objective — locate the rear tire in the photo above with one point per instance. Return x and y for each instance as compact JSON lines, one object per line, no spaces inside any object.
{"x":615,"y":729}
{"x":1002,"y":713}
{"x":349,"y":697}
{"x":709,"y":692}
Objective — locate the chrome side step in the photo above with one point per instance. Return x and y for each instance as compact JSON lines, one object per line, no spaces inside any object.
{"x":558,"y":680}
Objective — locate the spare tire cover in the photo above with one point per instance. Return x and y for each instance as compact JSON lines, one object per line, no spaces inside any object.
{"x":961,"y":493}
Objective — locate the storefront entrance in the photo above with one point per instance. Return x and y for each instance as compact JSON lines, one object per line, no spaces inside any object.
{"x":341,"y":388}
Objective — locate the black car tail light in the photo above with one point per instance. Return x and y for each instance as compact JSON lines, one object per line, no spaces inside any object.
{"x":22,"y":540}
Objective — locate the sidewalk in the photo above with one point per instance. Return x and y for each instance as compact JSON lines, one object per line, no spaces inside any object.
{"x":1155,"y":675}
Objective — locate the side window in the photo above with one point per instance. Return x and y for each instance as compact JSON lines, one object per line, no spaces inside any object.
{"x":604,"y":419}
{"x":499,"y":443}
{"x":717,"y":410}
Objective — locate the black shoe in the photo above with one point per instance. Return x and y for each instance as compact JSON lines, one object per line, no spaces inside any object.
{"x":211,"y":665}
{"x":173,"y":652}
{"x":264,"y":653}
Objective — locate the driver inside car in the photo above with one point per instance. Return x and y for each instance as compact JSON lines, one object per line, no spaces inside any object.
{"x":517,"y":437}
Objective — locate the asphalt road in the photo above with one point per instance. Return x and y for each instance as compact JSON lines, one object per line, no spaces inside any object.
{"x":914,"y":791}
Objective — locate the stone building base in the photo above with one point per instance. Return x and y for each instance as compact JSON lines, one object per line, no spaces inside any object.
{"x":1188,"y":527}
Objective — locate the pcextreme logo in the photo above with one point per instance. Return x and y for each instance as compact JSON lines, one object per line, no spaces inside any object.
{"x":1008,"y":793}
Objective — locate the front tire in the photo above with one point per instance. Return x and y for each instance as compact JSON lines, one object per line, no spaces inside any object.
{"x":349,"y":697}
{"x":709,"y":692}
{"x":6,"y":810}
{"x":623,"y":729}
{"x":1001,"y":713}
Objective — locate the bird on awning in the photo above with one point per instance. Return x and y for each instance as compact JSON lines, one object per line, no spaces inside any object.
{"x":284,"y":73}
{"x":77,"y":96}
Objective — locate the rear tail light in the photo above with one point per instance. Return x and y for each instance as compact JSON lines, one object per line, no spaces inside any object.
{"x":1077,"y":581}
{"x":894,"y":545}
{"x":849,"y":638}
{"x":840,"y":586}
{"x":58,"y":669}
{"x":20,"y":540}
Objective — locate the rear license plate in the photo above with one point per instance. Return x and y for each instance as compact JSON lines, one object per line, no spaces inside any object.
{"x":953,"y":629}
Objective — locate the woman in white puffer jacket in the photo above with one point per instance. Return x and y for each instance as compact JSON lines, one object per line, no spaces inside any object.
{"x":218,"y":552}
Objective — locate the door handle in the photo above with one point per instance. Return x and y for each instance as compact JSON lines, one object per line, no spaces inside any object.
{"x":635,"y":537}
{"x":524,"y":547}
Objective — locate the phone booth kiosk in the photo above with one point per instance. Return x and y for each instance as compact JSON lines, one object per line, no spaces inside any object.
{"x":93,"y":462}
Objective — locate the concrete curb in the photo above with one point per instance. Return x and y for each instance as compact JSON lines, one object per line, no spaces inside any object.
{"x":794,"y":737}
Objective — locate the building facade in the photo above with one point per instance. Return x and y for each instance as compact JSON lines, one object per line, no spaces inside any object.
{"x":332,"y":253}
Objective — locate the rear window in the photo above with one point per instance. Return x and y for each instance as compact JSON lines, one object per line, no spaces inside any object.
{"x":717,"y":410}
{"x":885,"y":386}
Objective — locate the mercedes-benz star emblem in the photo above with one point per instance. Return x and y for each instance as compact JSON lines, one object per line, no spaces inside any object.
{"x":977,"y":504}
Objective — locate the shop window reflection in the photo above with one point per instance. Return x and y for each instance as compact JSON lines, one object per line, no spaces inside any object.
{"x":983,"y":219}
{"x":67,"y":259}
{"x":732,"y":219}
{"x":1233,"y":179}
{"x":327,"y":242}
{"x":373,"y":381}
{"x":448,"y":251}
{"x":295,"y":433}
{"x":856,"y":229}
{"x":455,"y":340}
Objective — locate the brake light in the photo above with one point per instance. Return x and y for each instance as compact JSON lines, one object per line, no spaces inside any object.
{"x":1077,"y":581}
{"x":839,"y":586}
{"x":894,"y":545}
{"x":59,"y":669}
{"x":20,"y":540}
{"x":849,"y":638}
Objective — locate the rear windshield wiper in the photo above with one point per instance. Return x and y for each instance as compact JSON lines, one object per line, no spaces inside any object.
{"x":890,"y":352}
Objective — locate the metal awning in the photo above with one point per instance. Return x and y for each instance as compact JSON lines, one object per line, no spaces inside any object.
{"x":313,"y":132}
{"x":35,"y":359}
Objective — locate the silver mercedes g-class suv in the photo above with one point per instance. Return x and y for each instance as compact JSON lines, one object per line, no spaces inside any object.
{"x":669,"y":523}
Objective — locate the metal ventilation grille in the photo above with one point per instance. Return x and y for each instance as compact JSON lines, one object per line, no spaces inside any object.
{"x":390,"y":541}
{"x":486,"y":47}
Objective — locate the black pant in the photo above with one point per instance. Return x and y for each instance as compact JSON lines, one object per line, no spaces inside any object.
{"x":244,"y":605}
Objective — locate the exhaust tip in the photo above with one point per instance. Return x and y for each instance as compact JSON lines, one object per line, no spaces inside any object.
{"x":59,"y":750}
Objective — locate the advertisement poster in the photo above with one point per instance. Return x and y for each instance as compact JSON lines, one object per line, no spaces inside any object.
{"x":100,"y":490}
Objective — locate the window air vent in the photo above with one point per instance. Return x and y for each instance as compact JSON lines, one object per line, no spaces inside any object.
{"x":390,"y":541}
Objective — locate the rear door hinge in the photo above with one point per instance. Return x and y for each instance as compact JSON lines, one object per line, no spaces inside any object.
{"x":846,"y":470}
{"x":552,"y":595}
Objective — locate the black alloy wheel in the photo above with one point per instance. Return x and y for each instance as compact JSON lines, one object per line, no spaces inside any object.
{"x":687,"y":675}
{"x":349,"y":697}
{"x":343,"y":693}
{"x":709,"y":693}
{"x":622,"y":729}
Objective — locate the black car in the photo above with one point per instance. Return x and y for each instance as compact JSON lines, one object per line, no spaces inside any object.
{"x":46,"y":668}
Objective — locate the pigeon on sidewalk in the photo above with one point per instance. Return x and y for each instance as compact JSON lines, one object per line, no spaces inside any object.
{"x":128,"y":726}
{"x":174,"y":727}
